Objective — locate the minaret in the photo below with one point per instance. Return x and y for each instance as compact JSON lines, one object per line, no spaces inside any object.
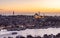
{"x":38,"y":13}
{"x":13,"y":12}
{"x":43,"y":14}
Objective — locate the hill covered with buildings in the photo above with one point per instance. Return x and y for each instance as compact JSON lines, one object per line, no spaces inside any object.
{"x":21,"y":22}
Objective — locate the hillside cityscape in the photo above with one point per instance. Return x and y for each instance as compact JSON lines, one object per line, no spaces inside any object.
{"x":29,"y":18}
{"x":22,"y":22}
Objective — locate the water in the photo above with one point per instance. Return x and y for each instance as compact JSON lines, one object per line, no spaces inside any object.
{"x":33,"y":32}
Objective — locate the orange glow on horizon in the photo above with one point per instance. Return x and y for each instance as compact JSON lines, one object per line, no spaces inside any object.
{"x":34,"y":9}
{"x":30,"y":5}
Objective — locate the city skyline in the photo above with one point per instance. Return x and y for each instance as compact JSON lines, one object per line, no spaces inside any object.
{"x":29,"y":6}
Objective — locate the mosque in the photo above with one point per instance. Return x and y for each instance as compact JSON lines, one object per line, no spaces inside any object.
{"x":38,"y":16}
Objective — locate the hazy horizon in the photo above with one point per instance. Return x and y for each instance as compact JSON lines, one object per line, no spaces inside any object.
{"x":31,"y":13}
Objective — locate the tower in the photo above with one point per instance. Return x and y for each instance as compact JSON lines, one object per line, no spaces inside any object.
{"x":13,"y":12}
{"x":38,"y":13}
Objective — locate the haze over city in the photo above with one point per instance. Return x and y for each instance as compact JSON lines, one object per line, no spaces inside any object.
{"x":29,"y":6}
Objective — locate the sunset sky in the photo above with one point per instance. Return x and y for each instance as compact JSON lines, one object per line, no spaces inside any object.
{"x":29,"y":6}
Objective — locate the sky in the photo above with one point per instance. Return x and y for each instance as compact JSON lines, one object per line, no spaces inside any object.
{"x":29,"y":6}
